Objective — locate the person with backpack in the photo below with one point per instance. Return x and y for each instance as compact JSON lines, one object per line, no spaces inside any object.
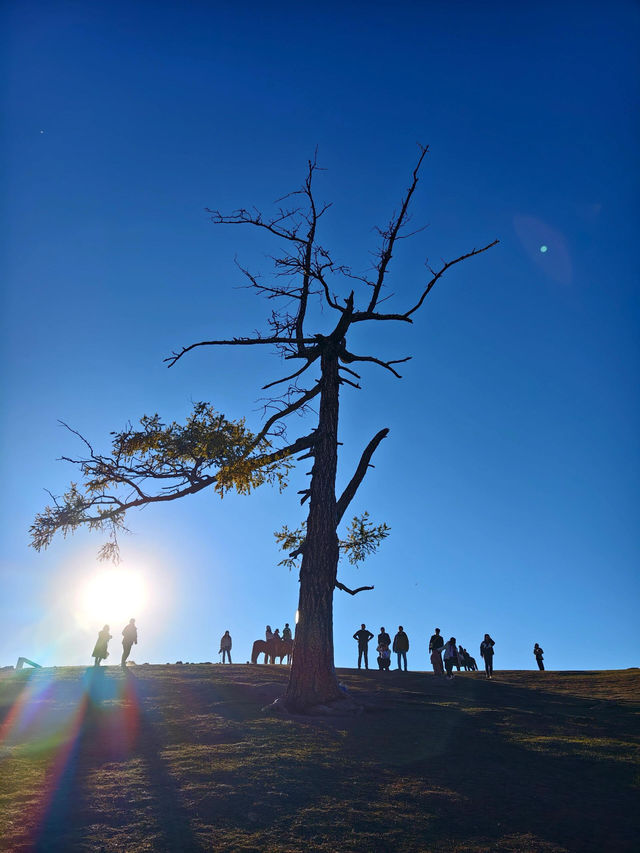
{"x":401,"y":647}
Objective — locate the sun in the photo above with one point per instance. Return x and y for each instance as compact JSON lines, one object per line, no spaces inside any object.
{"x":112,"y":597}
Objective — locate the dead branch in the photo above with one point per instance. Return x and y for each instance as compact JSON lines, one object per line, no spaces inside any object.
{"x":349,"y":493}
{"x":350,"y":357}
{"x":344,"y":588}
{"x":293,"y":375}
{"x":244,"y":217}
{"x":344,"y":381}
{"x":390,"y":235}
{"x":288,"y":410}
{"x":441,"y":272}
{"x":232,"y":342}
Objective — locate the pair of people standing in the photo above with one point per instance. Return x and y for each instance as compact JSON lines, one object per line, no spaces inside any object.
{"x":400,"y":647}
{"x":129,"y":637}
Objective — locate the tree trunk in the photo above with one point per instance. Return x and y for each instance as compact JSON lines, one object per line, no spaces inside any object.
{"x":313,"y":679}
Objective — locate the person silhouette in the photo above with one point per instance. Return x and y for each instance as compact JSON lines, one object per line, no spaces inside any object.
{"x":401,"y":647}
{"x":129,"y":637}
{"x":450,"y":656}
{"x":538,"y":652}
{"x":363,"y":636}
{"x":486,"y":653}
{"x":286,"y":632}
{"x":436,"y":641}
{"x":100,"y":649}
{"x":225,"y":646}
{"x":384,"y":657}
{"x":383,"y":638}
{"x":436,"y":661}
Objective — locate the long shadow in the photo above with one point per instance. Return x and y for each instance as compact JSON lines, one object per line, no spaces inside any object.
{"x":101,"y":741}
{"x":508,"y":760}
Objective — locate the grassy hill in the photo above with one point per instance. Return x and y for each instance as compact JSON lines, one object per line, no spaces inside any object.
{"x":180,"y":758}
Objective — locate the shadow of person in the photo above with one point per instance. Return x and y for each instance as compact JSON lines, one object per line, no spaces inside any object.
{"x":113,"y":774}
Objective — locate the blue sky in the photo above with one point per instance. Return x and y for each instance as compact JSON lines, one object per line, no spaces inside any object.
{"x":510,"y":474}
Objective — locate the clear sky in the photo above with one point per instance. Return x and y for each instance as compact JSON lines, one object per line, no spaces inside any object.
{"x":510,"y":474}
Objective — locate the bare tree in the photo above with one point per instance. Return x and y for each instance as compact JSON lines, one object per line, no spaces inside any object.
{"x":161,"y":462}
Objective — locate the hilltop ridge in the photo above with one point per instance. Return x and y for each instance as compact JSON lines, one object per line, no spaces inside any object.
{"x":172,"y":758}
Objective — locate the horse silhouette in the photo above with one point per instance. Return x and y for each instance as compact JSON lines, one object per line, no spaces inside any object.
{"x":272,"y":649}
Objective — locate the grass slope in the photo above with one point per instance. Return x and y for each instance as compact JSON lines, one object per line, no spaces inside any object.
{"x":181,"y":758}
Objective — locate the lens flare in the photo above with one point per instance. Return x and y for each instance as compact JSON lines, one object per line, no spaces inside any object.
{"x":546,"y":247}
{"x":64,"y":720}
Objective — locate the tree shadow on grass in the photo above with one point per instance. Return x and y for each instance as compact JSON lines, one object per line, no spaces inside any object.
{"x":114,"y":781}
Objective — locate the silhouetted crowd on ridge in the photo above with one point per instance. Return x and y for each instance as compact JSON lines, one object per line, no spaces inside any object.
{"x":454,"y":656}
{"x":444,"y":657}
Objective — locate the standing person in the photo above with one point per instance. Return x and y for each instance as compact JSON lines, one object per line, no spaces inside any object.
{"x":383,"y":638}
{"x":268,"y":633}
{"x":100,"y":649}
{"x":401,"y":647}
{"x":538,"y":652}
{"x":129,"y":637}
{"x":436,"y":641}
{"x":450,"y":656}
{"x":436,"y":661}
{"x":286,"y":632}
{"x":486,"y":652}
{"x":225,"y":646}
{"x":363,"y":636}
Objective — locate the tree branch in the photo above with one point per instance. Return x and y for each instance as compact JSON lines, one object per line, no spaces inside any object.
{"x":308,"y":254}
{"x":233,"y":342}
{"x":444,"y":268}
{"x":350,"y":357}
{"x":390,"y":235}
{"x":344,"y":588}
{"x":288,"y":410}
{"x":349,"y":493}
{"x":243,"y":217}
{"x":293,"y":375}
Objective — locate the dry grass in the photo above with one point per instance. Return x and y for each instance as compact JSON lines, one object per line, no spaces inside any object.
{"x":180,"y":758}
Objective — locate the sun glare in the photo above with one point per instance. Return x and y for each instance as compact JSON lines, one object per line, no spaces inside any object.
{"x":113,"y":596}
